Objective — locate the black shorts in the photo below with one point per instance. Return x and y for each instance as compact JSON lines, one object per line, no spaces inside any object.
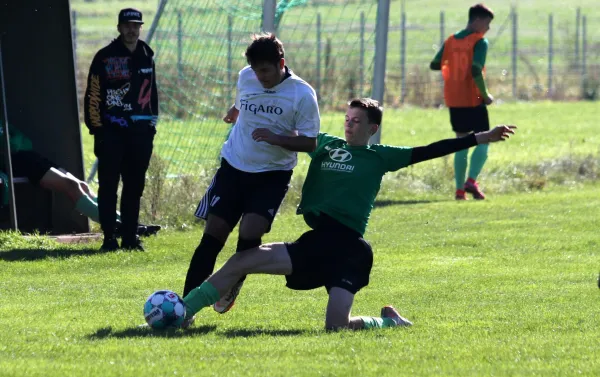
{"x":331,"y":255}
{"x":233,"y":193}
{"x":31,"y":165}
{"x":469,"y":119}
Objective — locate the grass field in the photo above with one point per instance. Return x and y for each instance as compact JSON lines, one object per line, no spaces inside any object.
{"x":501,"y":287}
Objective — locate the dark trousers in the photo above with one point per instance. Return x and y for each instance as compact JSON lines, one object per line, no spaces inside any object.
{"x":122,"y":153}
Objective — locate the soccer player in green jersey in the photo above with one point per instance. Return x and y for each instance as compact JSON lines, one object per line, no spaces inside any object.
{"x":343,"y":180}
{"x":44,"y":173}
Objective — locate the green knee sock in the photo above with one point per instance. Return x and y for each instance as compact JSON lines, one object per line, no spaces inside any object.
{"x":377,"y":323}
{"x":460,"y":168}
{"x":200,"y":297}
{"x":95,"y":200}
{"x":478,"y":158}
{"x":87,"y":207}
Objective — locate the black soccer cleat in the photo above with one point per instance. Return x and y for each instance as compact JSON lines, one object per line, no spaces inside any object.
{"x":109,"y":244}
{"x":133,"y":245}
{"x":142,"y":230}
{"x":147,"y":230}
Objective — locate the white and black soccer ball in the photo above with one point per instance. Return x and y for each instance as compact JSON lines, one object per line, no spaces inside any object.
{"x":164,"y":309}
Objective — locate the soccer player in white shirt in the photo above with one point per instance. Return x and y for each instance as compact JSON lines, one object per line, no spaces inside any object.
{"x":276,"y":115}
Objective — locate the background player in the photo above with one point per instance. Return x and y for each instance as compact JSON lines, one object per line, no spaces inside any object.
{"x":462,"y":60}
{"x":48,"y":175}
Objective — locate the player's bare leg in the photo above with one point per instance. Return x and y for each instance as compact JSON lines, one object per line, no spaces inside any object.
{"x":217,"y":227}
{"x":58,"y":181}
{"x":338,"y":316}
{"x":270,"y":259}
{"x":82,"y":184}
{"x":253,"y":226}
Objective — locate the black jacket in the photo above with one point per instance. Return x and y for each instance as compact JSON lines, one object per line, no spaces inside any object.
{"x":121,"y":87}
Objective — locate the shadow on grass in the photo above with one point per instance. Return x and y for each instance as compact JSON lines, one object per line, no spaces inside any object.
{"x":247,"y":333}
{"x":387,"y":203}
{"x":32,"y":254}
{"x":147,"y":332}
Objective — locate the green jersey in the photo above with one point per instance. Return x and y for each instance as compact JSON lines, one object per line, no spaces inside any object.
{"x":18,"y":141}
{"x":343,"y":180}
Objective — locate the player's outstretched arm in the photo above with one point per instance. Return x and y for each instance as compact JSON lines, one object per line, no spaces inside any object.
{"x":448,"y":146}
{"x":498,"y":133}
{"x":292,"y":143}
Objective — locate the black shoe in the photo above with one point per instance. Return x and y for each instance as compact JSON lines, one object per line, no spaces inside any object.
{"x":109,"y":244}
{"x":133,"y":245}
{"x":147,"y":230}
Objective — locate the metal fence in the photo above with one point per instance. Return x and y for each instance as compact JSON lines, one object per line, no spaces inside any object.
{"x":558,"y":60}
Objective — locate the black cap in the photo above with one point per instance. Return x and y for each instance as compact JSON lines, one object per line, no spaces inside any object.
{"x":130,"y":15}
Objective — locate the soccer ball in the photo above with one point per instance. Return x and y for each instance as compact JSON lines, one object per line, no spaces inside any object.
{"x":164,"y":309}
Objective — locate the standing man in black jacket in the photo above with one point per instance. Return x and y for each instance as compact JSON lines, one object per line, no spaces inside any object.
{"x":121,"y":111}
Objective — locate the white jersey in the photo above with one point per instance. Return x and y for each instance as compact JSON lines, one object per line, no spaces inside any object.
{"x":290,"y":108}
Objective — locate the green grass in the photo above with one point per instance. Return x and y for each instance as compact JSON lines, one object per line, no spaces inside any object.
{"x":501,"y":287}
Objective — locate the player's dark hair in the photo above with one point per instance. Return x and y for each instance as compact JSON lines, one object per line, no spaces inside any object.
{"x":374,"y":111}
{"x":264,"y":48}
{"x":480,"y":11}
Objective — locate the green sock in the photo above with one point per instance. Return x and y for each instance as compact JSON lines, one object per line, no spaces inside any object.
{"x":95,"y":200}
{"x":460,"y":168}
{"x":377,"y":323}
{"x":478,"y":158}
{"x":201,"y":297}
{"x":86,"y":206}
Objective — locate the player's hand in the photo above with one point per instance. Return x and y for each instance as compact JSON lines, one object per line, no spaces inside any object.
{"x":266,"y":135}
{"x":498,"y":133}
{"x":488,"y":99}
{"x":231,"y":115}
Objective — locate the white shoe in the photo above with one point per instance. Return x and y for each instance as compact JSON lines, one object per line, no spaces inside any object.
{"x":392,"y":313}
{"x":226,"y":302}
